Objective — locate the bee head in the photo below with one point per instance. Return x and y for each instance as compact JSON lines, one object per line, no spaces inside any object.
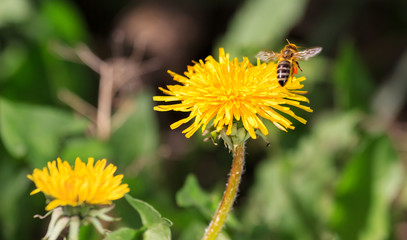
{"x":292,"y":46}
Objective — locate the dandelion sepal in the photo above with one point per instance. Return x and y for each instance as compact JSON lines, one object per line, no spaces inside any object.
{"x":74,"y":225}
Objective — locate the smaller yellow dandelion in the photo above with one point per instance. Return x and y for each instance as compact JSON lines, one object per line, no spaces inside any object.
{"x":227,"y":91}
{"x":91,"y":184}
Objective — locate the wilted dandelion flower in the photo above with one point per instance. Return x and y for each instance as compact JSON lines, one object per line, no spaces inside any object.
{"x":227,"y":91}
{"x":77,"y":195}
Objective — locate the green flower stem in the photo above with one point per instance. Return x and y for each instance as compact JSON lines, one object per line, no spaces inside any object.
{"x":218,"y":221}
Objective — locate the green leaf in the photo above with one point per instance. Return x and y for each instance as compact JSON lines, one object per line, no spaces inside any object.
{"x":191,"y":195}
{"x":35,"y":132}
{"x":27,"y":81}
{"x":158,"y":232}
{"x":138,"y":135}
{"x":157,"y":227}
{"x":123,"y":234}
{"x":194,"y":231}
{"x":88,"y":232}
{"x":14,"y":186}
{"x":365,"y":192}
{"x":12,"y":59}
{"x":64,"y":21}
{"x":353,"y":84}
{"x":261,"y":23}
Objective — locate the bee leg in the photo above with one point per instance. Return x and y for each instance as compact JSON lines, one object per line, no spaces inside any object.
{"x":298,"y":65}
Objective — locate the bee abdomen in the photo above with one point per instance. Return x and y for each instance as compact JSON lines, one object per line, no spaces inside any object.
{"x":283,"y":72}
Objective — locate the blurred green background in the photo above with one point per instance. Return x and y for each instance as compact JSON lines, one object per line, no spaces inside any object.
{"x":339,"y":177}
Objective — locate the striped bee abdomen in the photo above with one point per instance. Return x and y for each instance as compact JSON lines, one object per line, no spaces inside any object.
{"x":283,"y":72}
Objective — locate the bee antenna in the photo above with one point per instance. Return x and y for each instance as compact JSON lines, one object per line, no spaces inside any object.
{"x":288,"y":41}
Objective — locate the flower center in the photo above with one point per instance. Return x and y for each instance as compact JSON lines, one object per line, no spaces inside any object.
{"x":231,"y":95}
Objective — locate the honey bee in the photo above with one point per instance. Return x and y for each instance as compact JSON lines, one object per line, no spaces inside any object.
{"x":287,"y":60}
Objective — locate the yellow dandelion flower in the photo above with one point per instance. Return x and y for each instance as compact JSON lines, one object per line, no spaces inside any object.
{"x":227,"y":90}
{"x":90,"y":183}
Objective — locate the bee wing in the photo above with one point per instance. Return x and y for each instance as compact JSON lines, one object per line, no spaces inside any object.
{"x":267,"y":55}
{"x":308,"y":53}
